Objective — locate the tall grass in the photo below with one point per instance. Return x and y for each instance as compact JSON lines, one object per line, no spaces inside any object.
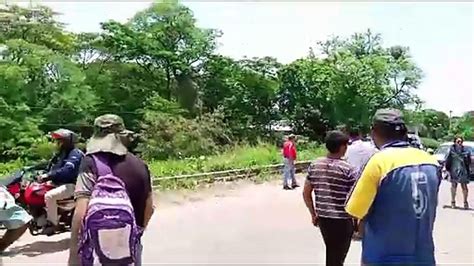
{"x":239,"y":157}
{"x":243,"y":156}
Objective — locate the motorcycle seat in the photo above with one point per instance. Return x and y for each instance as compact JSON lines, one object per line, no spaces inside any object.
{"x":64,"y":201}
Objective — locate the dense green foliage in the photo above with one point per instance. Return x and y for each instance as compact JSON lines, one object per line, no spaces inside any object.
{"x":437,"y":125}
{"x":463,"y":126}
{"x":161,"y":73}
{"x":430,"y":143}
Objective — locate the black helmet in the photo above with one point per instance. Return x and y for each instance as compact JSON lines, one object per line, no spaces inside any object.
{"x":413,"y":141}
{"x":68,"y":137}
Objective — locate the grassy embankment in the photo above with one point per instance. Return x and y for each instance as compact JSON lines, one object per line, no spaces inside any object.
{"x":239,"y":157}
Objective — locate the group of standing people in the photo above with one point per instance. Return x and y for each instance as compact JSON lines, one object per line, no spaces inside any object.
{"x":381,"y":186}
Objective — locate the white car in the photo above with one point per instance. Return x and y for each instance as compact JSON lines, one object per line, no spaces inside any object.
{"x":443,"y":150}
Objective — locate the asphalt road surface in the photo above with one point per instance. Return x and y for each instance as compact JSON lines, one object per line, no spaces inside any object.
{"x":246,"y":223}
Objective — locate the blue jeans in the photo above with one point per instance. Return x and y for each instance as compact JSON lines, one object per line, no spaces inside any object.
{"x":288,"y":172}
{"x":138,"y":258}
{"x":138,"y":261}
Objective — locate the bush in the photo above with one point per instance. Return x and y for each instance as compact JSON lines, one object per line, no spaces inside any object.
{"x":6,"y":168}
{"x":430,"y":143}
{"x":165,"y":136}
{"x":42,"y":150}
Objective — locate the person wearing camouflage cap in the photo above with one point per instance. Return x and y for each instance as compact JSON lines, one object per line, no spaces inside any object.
{"x":110,"y":135}
{"x":110,"y":141}
{"x":396,"y":197}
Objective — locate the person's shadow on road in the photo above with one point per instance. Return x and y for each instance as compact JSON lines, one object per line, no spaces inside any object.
{"x":457,"y":208}
{"x":40,"y":247}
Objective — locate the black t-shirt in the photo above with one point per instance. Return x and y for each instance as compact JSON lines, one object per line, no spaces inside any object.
{"x":132,"y":170}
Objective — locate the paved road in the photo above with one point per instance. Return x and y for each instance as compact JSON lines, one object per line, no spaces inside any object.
{"x":247,"y":223}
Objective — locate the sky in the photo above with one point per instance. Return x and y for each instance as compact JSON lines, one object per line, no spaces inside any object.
{"x":440,"y":35}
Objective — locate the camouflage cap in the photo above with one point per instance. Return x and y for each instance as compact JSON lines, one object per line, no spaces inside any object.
{"x":389,"y":116}
{"x":109,"y":130}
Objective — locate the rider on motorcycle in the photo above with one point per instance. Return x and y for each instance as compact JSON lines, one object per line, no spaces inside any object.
{"x":62,"y":172}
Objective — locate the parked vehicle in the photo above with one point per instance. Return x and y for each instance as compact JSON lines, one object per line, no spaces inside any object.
{"x":442,"y":153}
{"x":29,"y":194}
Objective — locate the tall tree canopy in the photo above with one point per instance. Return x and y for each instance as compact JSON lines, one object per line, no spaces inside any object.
{"x":352,"y":78}
{"x":160,"y":71}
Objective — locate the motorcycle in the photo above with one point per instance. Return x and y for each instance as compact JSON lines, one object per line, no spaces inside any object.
{"x":29,"y":194}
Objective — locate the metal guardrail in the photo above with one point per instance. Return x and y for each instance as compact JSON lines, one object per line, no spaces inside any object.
{"x":233,"y":174}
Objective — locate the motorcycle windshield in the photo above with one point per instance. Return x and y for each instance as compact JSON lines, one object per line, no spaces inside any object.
{"x":11,"y":179}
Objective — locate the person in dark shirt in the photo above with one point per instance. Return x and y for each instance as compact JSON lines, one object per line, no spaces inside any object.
{"x":110,"y":139}
{"x":331,"y":179}
{"x":62,"y":172}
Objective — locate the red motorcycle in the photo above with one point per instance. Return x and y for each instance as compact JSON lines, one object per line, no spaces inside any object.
{"x":29,"y":194}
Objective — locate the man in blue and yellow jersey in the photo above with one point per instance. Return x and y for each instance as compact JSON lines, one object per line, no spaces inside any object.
{"x":396,"y":197}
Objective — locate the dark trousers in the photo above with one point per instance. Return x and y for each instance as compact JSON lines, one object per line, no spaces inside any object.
{"x":337,"y":235}
{"x":356,"y":225}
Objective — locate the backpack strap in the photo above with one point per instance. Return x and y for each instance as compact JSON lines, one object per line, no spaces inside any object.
{"x":102,"y":165}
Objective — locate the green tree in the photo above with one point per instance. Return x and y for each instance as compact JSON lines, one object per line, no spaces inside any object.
{"x":428,"y":122}
{"x":42,"y":89}
{"x":53,"y":85}
{"x":463,"y":126}
{"x":164,"y":38}
{"x":18,"y":124}
{"x":245,"y":91}
{"x":161,"y":73}
{"x":351,"y":79}
{"x":37,"y":26}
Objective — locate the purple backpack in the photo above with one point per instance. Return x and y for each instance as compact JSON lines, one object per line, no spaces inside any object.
{"x":109,"y":230}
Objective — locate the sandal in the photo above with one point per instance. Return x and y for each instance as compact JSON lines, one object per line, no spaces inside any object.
{"x":466,"y":205}
{"x":453,"y":204}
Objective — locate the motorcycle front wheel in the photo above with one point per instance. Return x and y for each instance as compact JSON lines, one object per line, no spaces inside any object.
{"x":33,"y":228}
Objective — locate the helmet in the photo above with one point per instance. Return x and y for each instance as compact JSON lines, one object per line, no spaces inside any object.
{"x":67,"y":136}
{"x":414,"y":141}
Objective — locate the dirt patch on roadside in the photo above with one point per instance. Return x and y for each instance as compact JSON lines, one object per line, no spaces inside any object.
{"x":173,"y":198}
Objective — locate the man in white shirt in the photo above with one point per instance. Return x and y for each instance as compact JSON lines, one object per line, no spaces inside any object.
{"x":359,"y":151}
{"x":358,"y":154}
